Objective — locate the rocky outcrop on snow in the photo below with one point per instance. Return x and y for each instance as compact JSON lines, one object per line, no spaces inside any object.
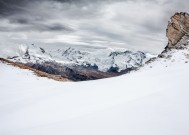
{"x":169,"y":57}
{"x":177,"y":49}
{"x":178,"y":30}
{"x":177,"y":33}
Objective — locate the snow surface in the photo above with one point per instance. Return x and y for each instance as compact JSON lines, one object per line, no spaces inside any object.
{"x":151,"y":101}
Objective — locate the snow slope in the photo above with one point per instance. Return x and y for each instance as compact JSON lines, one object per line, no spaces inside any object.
{"x":151,"y":101}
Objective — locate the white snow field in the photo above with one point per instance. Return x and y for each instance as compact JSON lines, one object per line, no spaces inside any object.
{"x":151,"y":101}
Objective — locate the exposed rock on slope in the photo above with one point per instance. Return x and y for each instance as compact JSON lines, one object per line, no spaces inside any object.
{"x":178,"y":30}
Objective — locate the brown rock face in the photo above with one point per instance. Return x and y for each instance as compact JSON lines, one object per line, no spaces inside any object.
{"x":178,"y":30}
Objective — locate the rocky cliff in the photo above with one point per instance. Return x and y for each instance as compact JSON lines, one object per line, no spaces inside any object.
{"x":178,"y":30}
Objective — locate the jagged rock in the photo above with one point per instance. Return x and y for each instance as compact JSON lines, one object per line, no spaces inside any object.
{"x":178,"y":30}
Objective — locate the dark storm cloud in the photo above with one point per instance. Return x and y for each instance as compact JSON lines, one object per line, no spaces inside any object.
{"x":8,"y":7}
{"x":22,"y":17}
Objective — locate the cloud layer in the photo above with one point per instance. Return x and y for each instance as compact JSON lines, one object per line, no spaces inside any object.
{"x":132,"y":24}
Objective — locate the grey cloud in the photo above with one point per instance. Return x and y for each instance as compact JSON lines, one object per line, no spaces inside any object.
{"x":56,"y":27}
{"x":138,"y":24}
{"x":19,"y":20}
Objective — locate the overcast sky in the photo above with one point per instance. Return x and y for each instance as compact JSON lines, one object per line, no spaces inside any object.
{"x":132,"y":24}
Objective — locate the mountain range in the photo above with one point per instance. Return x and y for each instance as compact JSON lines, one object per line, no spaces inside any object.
{"x":77,"y":65}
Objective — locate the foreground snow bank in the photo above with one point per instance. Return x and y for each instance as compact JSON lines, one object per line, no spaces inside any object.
{"x":153,"y":101}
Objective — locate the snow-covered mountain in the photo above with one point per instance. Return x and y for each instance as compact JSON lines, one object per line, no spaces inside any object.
{"x":70,"y":61}
{"x":104,"y":59}
{"x":29,"y":54}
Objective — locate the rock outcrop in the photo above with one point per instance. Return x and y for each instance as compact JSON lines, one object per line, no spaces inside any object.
{"x":178,"y":30}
